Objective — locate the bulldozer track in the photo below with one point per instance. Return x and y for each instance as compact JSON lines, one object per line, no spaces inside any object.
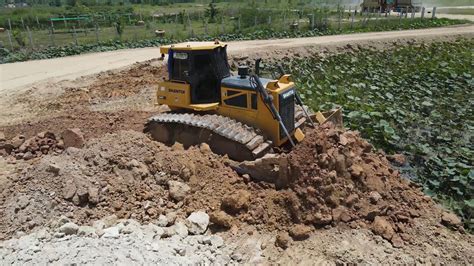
{"x":246,"y":143}
{"x":224,"y":135}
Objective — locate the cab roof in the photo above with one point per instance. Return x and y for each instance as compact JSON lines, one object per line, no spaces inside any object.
{"x":192,"y":46}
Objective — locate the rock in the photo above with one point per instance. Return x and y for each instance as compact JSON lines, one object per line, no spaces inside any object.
{"x":397,"y":159}
{"x":236,"y":202}
{"x":282,"y":240}
{"x":28,"y":156}
{"x":217,"y":241}
{"x":87,"y":231}
{"x":320,"y":219}
{"x":69,"y":190}
{"x":111,"y":232}
{"x":2,"y":136}
{"x":352,"y":199}
{"x":204,"y":148}
{"x":450,"y":220}
{"x":356,"y":171}
{"x":397,"y":241}
{"x":83,"y":195}
{"x":222,"y":219}
{"x":162,"y":221}
{"x":300,"y":232}
{"x":171,"y":216}
{"x":53,"y":168}
{"x":130,"y":227}
{"x":374,"y":197}
{"x":181,"y":229}
{"x":69,"y":228}
{"x":17,"y":141}
{"x":197,"y":222}
{"x":43,"y":234}
{"x":93,"y":195}
{"x":178,"y":190}
{"x":236,"y":256}
{"x":150,"y":231}
{"x":155,"y":246}
{"x":62,"y":220}
{"x":382,"y":227}
{"x":73,"y":138}
{"x":110,"y":220}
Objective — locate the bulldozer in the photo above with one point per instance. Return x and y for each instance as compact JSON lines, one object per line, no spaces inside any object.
{"x":243,"y":116}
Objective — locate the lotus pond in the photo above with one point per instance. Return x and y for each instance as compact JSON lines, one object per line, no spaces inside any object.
{"x":417,"y":100}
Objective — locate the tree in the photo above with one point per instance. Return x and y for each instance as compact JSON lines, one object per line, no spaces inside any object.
{"x":119,"y":28}
{"x":211,"y":12}
{"x":19,"y":38}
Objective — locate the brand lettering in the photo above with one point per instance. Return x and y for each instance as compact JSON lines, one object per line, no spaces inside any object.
{"x":176,"y":91}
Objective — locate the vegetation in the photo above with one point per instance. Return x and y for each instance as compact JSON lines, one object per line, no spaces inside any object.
{"x":416,"y":100}
{"x":265,"y":32}
{"x":212,"y":12}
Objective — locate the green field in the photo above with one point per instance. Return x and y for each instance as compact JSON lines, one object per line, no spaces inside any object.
{"x":415,"y":100}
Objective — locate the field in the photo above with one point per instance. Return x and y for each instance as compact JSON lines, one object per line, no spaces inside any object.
{"x":102,"y":28}
{"x":413,"y":100}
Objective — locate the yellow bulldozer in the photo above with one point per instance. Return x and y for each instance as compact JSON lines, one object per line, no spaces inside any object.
{"x":243,"y":116}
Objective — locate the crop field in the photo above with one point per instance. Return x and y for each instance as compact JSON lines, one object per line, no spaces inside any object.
{"x":417,"y":100}
{"x":31,"y":34}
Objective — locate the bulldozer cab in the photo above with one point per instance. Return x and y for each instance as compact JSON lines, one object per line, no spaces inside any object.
{"x":202,"y":67}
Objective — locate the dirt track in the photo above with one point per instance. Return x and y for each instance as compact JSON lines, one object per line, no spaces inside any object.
{"x":16,"y":75}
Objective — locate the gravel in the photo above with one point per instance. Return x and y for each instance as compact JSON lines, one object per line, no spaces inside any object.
{"x":123,"y":243}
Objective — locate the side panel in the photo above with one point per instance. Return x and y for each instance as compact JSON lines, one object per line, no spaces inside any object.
{"x":174,"y":94}
{"x":255,"y":113}
{"x":237,"y":104}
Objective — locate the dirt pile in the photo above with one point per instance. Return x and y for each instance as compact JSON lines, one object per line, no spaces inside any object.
{"x":126,"y":174}
{"x":334,"y":179}
{"x":338,"y":178}
{"x":111,"y":85}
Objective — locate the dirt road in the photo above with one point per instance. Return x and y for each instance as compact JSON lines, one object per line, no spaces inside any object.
{"x":21,"y":74}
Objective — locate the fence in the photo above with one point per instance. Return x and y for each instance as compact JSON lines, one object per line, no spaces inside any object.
{"x":183,"y":25}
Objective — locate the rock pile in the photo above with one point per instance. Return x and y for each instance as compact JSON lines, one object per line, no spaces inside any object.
{"x":125,"y":174}
{"x":43,"y":143}
{"x":347,"y":182}
{"x":26,"y":149}
{"x":67,"y":243}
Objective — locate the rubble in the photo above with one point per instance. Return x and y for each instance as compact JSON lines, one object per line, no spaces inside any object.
{"x":282,"y":240}
{"x":178,"y":190}
{"x":73,"y":137}
{"x":197,"y":222}
{"x":300,"y":232}
{"x":26,"y":149}
{"x":451,"y":220}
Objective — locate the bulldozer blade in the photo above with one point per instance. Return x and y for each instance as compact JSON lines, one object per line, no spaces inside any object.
{"x":334,"y":116}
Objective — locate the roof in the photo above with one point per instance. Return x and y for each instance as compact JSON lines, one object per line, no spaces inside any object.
{"x":192,"y":46}
{"x":236,"y":82}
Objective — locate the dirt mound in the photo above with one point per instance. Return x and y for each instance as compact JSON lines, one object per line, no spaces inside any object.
{"x":334,"y":178}
{"x":125,"y":174}
{"x":112,"y":85}
{"x":345,"y":181}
